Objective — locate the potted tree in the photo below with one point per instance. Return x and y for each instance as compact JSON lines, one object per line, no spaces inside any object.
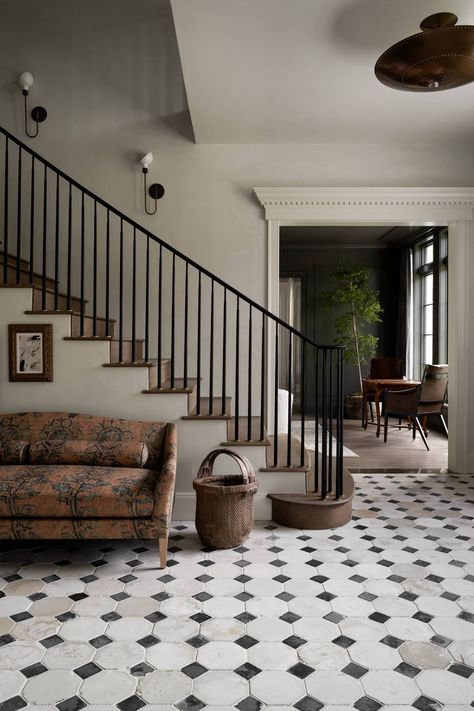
{"x":358,"y":307}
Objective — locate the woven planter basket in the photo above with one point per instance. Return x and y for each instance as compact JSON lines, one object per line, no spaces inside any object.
{"x":224,"y":503}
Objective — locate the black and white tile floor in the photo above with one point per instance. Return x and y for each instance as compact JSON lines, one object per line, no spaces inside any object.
{"x":378,"y":614}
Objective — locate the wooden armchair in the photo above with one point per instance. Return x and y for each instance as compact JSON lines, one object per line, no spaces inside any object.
{"x":379,"y":368}
{"x":421,"y":401}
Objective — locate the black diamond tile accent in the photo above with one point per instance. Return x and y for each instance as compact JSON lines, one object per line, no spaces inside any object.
{"x":301,"y":670}
{"x":423,"y":703}
{"x":21,"y":616}
{"x":245,"y":617}
{"x":206,"y":563}
{"x":65,"y":616}
{"x":461,"y":670}
{"x":319,"y":579}
{"x":343,"y":641}
{"x":194,"y":670}
{"x":205,"y":578}
{"x":367,"y":596}
{"x":120,"y":596}
{"x":148,"y":641}
{"x":422,"y":617}
{"x":275,"y":549}
{"x":247,"y":671}
{"x":243,"y":579}
{"x":166,"y":579}
{"x":33,"y":670}
{"x":13,"y":704}
{"x":294,"y":641}
{"x":51,"y":641}
{"x":467,"y":616}
{"x":129,"y":578}
{"x":197,"y":641}
{"x":357,"y":578}
{"x":411,"y":597}
{"x":72,"y":704}
{"x":190,"y":703}
{"x":334,"y":617}
{"x":242,"y":563}
{"x":141,"y":669}
{"x":326,"y":596}
{"x":290,"y":617}
{"x":286,"y":597}
{"x":200,"y":617}
{"x":392,"y":641}
{"x":243,"y":596}
{"x":36,"y":596}
{"x":100,"y":641}
{"x":133,"y":703}
{"x":379,"y":617}
{"x":241,"y":549}
{"x":134,"y":563}
{"x":440,"y":640}
{"x":407,"y":670}
{"x":308,"y":704}
{"x":155,"y":617}
{"x":47,"y":579}
{"x":87,"y":670}
{"x":249,"y":704}
{"x":159,"y":597}
{"x":111,"y":617}
{"x":281,"y":578}
{"x":278,"y":563}
{"x":367,"y":704}
{"x":246,"y":641}
{"x":355,"y":670}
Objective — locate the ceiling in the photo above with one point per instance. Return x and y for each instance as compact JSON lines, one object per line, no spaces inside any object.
{"x":305,"y":237}
{"x":301,"y":71}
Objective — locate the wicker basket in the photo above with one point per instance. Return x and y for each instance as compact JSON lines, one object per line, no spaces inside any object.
{"x":224,"y":503}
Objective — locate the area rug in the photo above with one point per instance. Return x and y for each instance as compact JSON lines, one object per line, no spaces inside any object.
{"x":310,"y":438}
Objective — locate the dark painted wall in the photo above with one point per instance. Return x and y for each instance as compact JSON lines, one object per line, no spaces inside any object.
{"x":315,"y":266}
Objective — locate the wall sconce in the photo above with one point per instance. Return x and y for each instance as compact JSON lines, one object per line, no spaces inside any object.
{"x":155,"y":191}
{"x":39,"y":113}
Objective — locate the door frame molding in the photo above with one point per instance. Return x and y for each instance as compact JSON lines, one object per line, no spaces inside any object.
{"x":454,"y":207}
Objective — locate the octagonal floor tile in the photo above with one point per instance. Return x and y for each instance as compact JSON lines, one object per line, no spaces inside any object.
{"x":51,"y":687}
{"x":276,"y":687}
{"x":389,"y":687}
{"x":331,"y":687}
{"x":446,"y":687}
{"x":108,"y":687}
{"x":220,"y":687}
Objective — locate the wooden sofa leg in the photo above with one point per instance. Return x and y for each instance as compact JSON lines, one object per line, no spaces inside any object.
{"x":163,"y":551}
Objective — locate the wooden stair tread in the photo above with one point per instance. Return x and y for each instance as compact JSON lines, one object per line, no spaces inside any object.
{"x":153,"y":363}
{"x":178,"y":388}
{"x":102,"y":338}
{"x":216,"y":410}
{"x":281,"y":465}
{"x":313,"y":497}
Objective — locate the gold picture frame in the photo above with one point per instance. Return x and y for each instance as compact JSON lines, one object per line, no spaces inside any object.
{"x":30,"y":348}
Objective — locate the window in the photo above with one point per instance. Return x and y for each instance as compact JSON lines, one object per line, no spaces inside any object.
{"x":431,"y":302}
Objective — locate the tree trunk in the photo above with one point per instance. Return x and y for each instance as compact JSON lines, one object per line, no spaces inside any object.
{"x":356,"y":346}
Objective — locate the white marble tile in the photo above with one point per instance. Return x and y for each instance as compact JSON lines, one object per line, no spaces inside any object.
{"x":453,"y":628}
{"x":446,"y":687}
{"x":221,"y":655}
{"x":68,"y":655}
{"x":267,"y":606}
{"x":389,"y":687}
{"x":222,"y":629}
{"x":425,"y":655}
{"x":51,"y":606}
{"x":175,"y":629}
{"x":463,"y":652}
{"x":333,"y":687}
{"x":277,"y":687}
{"x":272,"y":655}
{"x":316,"y":630}
{"x":83,"y":628}
{"x":13,"y":604}
{"x":108,"y":687}
{"x":51,"y":687}
{"x":269,"y":630}
{"x":223,"y":606}
{"x":323,"y":656}
{"x":362,"y":630}
{"x":407,"y":628}
{"x":171,"y":655}
{"x":35,"y":628}
{"x":164,"y":687}
{"x":93,"y":606}
{"x":19,"y":655}
{"x":128,"y":629}
{"x":119,"y":655}
{"x":11,"y":684}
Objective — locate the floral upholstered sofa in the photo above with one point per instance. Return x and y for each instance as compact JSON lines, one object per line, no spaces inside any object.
{"x":66,"y":475}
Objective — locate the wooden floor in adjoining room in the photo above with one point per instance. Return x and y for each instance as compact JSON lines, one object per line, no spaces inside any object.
{"x":400,"y":451}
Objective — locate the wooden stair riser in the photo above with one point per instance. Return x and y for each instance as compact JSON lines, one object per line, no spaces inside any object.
{"x":88,"y":327}
{"x":75,"y":302}
{"x":36,"y":279}
{"x":126,"y":350}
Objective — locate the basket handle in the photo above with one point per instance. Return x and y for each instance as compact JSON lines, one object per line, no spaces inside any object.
{"x":207,"y":464}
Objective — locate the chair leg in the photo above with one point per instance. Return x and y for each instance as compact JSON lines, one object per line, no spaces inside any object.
{"x":371,"y":411}
{"x":443,"y":422}
{"x":385,"y":427}
{"x":399,"y":423}
{"x":163,"y":543}
{"x":420,"y":430}
{"x":413,"y":426}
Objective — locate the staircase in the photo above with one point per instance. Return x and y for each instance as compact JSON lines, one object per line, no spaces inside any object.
{"x":142,"y":331}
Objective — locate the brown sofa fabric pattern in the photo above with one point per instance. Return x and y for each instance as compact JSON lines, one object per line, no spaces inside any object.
{"x":79,"y":451}
{"x":13,"y":451}
{"x":82,"y":501}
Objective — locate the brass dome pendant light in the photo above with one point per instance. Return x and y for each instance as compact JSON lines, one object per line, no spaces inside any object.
{"x":440,"y":57}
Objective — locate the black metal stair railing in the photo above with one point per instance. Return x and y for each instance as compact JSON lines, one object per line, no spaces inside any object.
{"x":165,"y":311}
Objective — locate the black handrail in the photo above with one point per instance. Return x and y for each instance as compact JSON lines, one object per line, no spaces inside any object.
{"x":166,"y":245}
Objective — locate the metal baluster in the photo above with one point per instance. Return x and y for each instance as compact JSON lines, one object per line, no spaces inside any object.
{"x":147,"y":301}
{"x":249,"y":380}
{"x":262,"y":382}
{"x":330,"y":422}
{"x":237,"y":366}
{"x":290,"y":383}
{"x":69,"y":249}
{"x":32,"y":219}
{"x":56,"y":248}
{"x":107,"y":276}
{"x":173,"y":319}
{"x":160,"y":311}
{"x":275,"y":406}
{"x":45,"y":238}
{"x":82,"y":264}
{"x":134,"y":295}
{"x":224,"y":351}
{"x":5,"y":218}
{"x":316,"y":420}
{"x":211,"y":352}
{"x":340,"y":422}
{"x":18,"y":220}
{"x":121,"y":293}
{"x":198,"y":389}
{"x":94,"y":274}
{"x":303,"y":403}
{"x":324,"y":467}
{"x":186,"y":318}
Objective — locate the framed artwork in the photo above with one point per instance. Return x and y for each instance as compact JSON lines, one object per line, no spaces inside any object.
{"x":30,"y":349}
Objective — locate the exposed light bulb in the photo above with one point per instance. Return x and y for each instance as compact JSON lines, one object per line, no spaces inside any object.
{"x":25,"y":80}
{"x":147,"y":160}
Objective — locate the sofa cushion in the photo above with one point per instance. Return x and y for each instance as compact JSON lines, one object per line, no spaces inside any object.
{"x":72,"y":491}
{"x":13,"y":451}
{"x":79,"y":451}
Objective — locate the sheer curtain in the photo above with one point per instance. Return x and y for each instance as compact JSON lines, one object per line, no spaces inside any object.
{"x":405,"y":334}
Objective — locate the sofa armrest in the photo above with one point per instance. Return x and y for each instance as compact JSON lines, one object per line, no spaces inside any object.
{"x":165,"y":480}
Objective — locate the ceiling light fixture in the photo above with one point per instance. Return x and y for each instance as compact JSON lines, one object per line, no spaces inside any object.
{"x":440,"y":57}
{"x":39,"y":113}
{"x":155,"y":191}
